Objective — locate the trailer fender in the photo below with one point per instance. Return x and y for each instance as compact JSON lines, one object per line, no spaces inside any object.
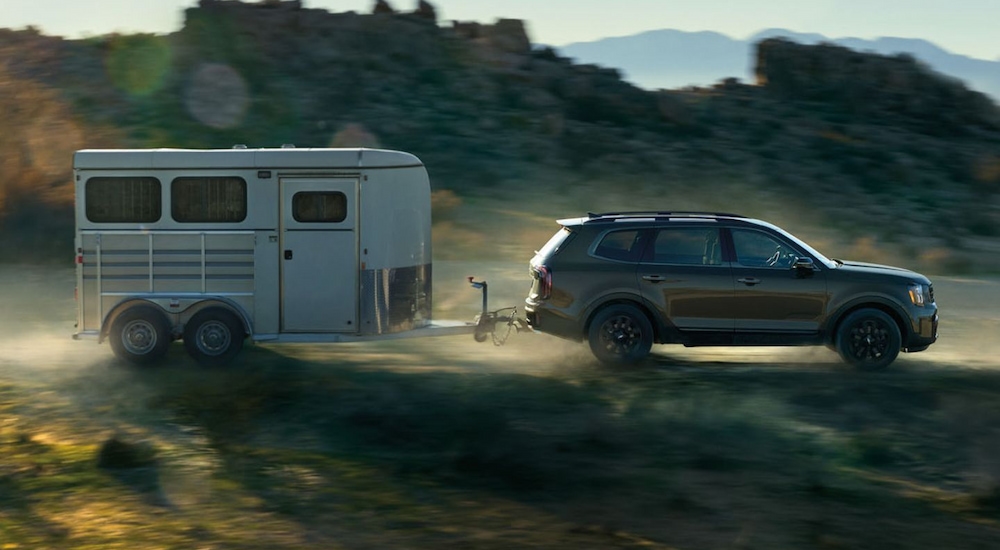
{"x":109,"y":319}
{"x":217,"y":301}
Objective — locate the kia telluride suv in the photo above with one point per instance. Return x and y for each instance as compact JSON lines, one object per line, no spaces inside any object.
{"x":627,"y":280}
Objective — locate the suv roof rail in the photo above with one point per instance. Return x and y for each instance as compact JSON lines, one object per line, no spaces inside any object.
{"x":660,"y":213}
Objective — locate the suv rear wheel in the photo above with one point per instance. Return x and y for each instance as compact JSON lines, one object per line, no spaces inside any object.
{"x":620,"y":334}
{"x":869,"y":339}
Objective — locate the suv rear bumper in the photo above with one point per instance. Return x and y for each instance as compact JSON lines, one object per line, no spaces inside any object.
{"x":548,"y":321}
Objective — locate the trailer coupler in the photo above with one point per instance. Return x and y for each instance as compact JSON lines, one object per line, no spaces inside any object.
{"x":496,"y":324}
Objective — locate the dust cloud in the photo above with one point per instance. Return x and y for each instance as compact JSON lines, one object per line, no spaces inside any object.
{"x":38,"y":318}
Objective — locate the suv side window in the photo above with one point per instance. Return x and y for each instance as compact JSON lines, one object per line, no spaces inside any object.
{"x":686,"y":246}
{"x":758,"y":249}
{"x":624,"y":246}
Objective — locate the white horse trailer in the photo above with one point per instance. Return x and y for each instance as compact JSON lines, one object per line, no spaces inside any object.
{"x":279,"y":245}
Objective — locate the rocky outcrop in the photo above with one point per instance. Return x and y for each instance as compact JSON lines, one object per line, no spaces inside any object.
{"x":507,"y":35}
{"x":870,"y":84}
{"x":382,"y":7}
{"x":425,"y":10}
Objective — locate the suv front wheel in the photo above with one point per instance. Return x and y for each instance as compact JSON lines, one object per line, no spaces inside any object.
{"x":620,"y":334}
{"x":869,"y":339}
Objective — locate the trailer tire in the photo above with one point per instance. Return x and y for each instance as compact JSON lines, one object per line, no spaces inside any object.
{"x":140,"y":335}
{"x":214,"y":336}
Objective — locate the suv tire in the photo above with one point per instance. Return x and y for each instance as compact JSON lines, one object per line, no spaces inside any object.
{"x":868,"y":339}
{"x":620,"y":334}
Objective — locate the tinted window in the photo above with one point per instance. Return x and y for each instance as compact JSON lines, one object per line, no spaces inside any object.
{"x":757,"y":249}
{"x":552,"y":246}
{"x":319,"y":207}
{"x":208,"y":200}
{"x":687,"y":246}
{"x":620,"y":245}
{"x":123,"y":200}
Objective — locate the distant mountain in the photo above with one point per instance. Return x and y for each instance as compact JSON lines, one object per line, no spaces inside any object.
{"x":667,"y":58}
{"x":674,"y":59}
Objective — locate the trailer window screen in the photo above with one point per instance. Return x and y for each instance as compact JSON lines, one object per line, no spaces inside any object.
{"x":208,"y":200}
{"x":319,"y":207}
{"x":123,"y":200}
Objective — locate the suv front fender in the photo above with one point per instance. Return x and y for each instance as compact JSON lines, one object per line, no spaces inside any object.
{"x":885,"y":303}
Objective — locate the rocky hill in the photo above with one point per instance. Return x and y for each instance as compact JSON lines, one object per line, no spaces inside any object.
{"x":670,"y":58}
{"x":881,"y":150}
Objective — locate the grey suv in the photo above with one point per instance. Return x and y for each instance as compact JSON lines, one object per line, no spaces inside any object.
{"x":624,"y":281}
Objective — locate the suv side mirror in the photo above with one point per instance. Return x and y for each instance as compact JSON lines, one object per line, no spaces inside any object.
{"x":803,"y":264}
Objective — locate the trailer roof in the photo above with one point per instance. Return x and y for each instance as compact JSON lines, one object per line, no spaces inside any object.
{"x":285,"y":157}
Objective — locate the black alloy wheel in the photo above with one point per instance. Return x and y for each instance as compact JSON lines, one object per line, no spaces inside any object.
{"x":620,"y":334}
{"x":869,"y":339}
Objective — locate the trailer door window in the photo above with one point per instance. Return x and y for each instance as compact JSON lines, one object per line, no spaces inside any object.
{"x":319,"y":207}
{"x":208,"y":200}
{"x":123,"y":200}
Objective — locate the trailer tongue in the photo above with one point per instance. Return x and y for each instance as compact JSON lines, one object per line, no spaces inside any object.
{"x":487,"y":321}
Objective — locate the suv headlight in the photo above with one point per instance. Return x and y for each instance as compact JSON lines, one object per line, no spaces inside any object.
{"x":918,"y":294}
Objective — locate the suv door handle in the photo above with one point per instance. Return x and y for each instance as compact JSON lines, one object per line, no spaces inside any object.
{"x":749,"y":281}
{"x":654,"y":278}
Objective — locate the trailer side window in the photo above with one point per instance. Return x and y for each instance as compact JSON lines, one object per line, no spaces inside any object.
{"x":319,"y":207}
{"x":123,"y":200}
{"x":208,"y":200}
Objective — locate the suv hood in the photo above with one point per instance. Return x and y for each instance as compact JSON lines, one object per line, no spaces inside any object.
{"x":865,"y":267}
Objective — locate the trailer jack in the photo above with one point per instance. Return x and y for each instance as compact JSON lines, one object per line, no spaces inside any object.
{"x":487,"y":322}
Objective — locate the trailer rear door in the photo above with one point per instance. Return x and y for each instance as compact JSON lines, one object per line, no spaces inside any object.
{"x":319,"y":248}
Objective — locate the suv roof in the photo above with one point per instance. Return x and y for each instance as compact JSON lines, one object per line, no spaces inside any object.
{"x":641,"y":215}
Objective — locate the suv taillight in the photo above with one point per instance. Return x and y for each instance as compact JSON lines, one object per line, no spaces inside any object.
{"x":544,"y":282}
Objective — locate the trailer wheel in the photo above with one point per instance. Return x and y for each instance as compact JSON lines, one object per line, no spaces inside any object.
{"x":140,"y":335}
{"x":214,"y":336}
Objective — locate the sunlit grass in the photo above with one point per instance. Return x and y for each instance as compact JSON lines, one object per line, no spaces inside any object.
{"x":444,"y":442}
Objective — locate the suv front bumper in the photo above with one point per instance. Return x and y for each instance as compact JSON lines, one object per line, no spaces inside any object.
{"x":925,"y":333}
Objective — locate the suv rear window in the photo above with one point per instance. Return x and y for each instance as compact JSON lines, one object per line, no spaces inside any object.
{"x":624,"y":246}
{"x":554,"y":243}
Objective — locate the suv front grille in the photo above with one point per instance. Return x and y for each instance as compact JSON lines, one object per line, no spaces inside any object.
{"x":930,"y":293}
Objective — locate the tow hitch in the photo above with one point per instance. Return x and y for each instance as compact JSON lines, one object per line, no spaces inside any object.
{"x":488,"y":321}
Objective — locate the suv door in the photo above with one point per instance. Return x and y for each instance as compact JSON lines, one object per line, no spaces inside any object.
{"x":772,"y":296}
{"x":686,"y":278}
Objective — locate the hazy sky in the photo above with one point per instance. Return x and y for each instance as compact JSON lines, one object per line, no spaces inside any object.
{"x":970,"y":27}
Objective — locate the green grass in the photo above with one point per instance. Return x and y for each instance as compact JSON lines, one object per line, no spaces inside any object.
{"x":372,"y":446}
